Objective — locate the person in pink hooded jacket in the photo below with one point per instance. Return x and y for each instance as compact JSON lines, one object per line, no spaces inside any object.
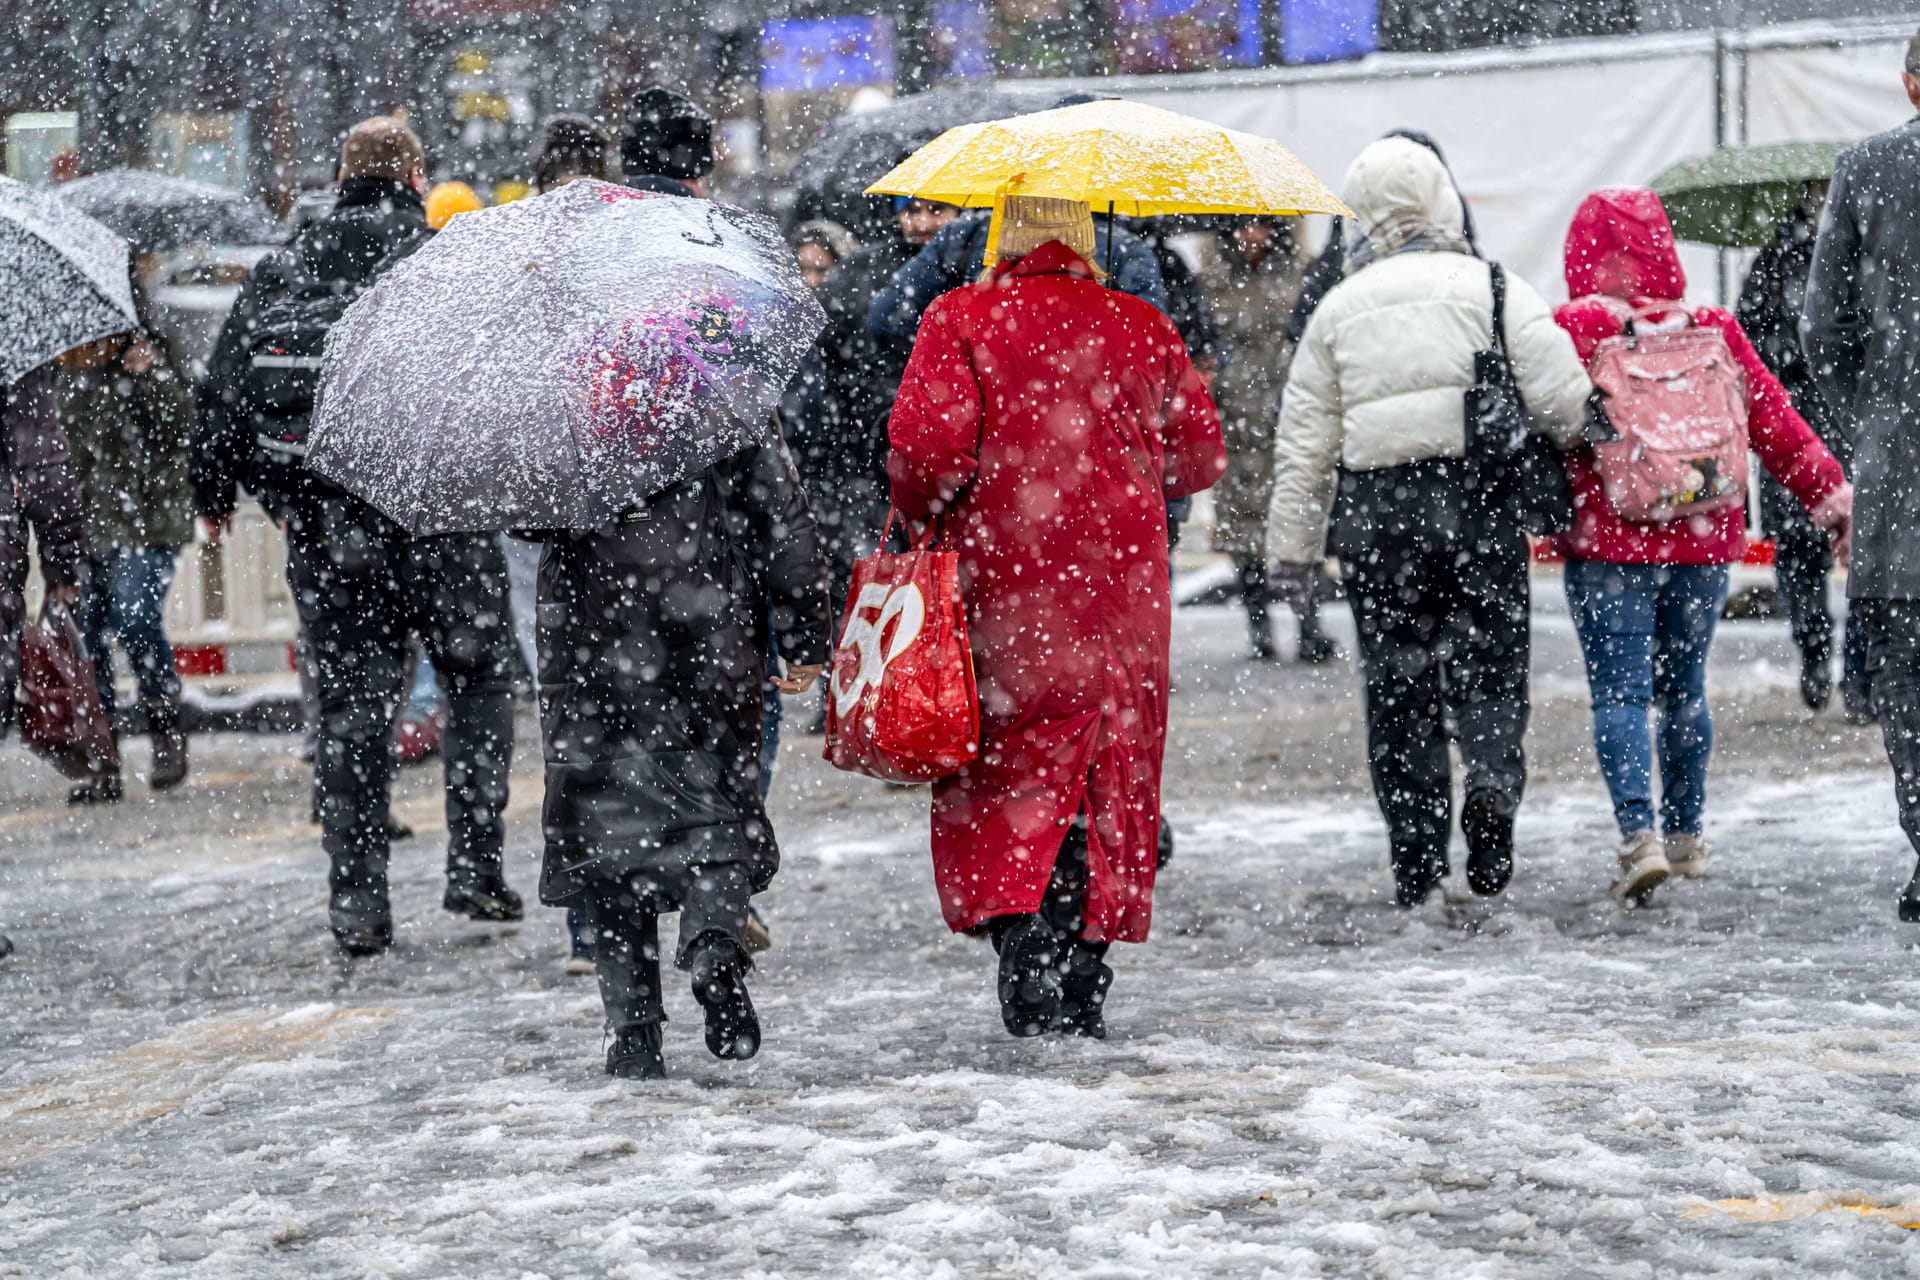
{"x":1645,"y":596}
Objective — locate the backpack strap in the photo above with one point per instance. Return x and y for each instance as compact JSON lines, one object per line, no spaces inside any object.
{"x":1498,"y":276}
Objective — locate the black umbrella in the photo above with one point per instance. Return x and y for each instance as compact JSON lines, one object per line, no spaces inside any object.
{"x":154,"y":212}
{"x":831,"y":176}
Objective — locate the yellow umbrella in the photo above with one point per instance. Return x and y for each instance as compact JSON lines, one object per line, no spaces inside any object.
{"x":1118,"y":157}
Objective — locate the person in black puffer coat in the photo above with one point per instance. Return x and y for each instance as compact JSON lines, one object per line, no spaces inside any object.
{"x":652,"y":657}
{"x":363,"y":586}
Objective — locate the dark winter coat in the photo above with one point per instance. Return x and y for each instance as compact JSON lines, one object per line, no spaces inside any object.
{"x":1861,"y":332}
{"x":130,"y":435}
{"x":653,"y":652}
{"x":1769,"y":312}
{"x":955,"y":256}
{"x":38,"y":491}
{"x":374,"y":224}
{"x":842,"y":442}
{"x":1050,"y":420}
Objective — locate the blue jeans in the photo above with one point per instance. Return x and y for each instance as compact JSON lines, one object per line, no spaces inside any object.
{"x":1645,"y":630}
{"x":125,"y":600}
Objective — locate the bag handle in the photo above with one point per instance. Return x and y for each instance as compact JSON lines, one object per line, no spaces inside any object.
{"x":916,"y":545}
{"x":1499,"y":282}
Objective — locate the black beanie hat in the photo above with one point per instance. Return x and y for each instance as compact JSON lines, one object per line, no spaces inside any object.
{"x":666,"y":133}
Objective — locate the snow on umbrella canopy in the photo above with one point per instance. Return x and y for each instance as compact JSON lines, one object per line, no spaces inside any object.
{"x":63,"y":280}
{"x":155,"y":212}
{"x":1735,"y":197}
{"x":551,"y":363}
{"x":1116,"y":156}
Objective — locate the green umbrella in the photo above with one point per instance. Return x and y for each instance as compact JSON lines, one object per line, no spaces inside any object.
{"x":1736,"y":196}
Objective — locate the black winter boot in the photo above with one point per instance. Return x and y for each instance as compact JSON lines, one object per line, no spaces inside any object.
{"x":357,"y":906}
{"x":101,"y":787}
{"x":1910,"y":900}
{"x":1415,"y":875}
{"x":1083,"y":991}
{"x":169,"y":745}
{"x":1029,"y":984}
{"x":1487,"y":820}
{"x":719,"y":968}
{"x":1816,"y":678}
{"x":635,"y":1053}
{"x":485,"y":898}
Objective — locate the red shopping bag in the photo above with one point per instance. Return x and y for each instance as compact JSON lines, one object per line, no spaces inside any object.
{"x":61,"y":717}
{"x":901,"y":702}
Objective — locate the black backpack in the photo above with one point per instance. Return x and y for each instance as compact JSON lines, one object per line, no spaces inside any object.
{"x":284,"y":355}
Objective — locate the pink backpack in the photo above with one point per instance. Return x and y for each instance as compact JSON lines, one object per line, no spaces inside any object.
{"x":1676,"y":401}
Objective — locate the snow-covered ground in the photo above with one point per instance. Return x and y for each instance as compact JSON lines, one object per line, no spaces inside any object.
{"x":1301,"y":1080}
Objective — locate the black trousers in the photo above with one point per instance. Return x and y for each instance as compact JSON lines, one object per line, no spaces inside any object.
{"x":1893,"y":669}
{"x":625,"y":918}
{"x":1443,"y":634}
{"x":363,"y":586}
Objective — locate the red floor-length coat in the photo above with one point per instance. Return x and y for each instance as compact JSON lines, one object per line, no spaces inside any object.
{"x":1051,"y":420}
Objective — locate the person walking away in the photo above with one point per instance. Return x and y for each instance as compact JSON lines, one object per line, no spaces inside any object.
{"x":362,"y":585}
{"x":1769,"y":314}
{"x":1858,"y":330}
{"x":839,"y":436}
{"x":39,"y":494}
{"x":1253,"y":279}
{"x":1045,"y":421}
{"x":1645,"y":593}
{"x":651,"y":719}
{"x":129,"y":419}
{"x":1373,"y":431}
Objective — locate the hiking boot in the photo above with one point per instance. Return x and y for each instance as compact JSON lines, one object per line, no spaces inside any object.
{"x":1029,"y":982}
{"x":1816,"y":680}
{"x":99,"y":788}
{"x":1487,"y":822}
{"x":169,"y":746}
{"x":1643,"y":868}
{"x":635,"y":1053}
{"x":487,"y":900}
{"x":719,"y":968}
{"x":1686,"y":855}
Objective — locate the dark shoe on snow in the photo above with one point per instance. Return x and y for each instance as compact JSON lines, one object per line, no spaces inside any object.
{"x":635,"y":1053}
{"x":1264,"y":650}
{"x":1489,"y":830}
{"x":1816,"y":680}
{"x":489,"y":901}
{"x":169,"y":745}
{"x":6,"y":946}
{"x":1083,"y":996}
{"x":1316,"y":649}
{"x":1414,"y":879}
{"x":1910,"y":900}
{"x":361,"y":925}
{"x":1029,"y":984}
{"x":100,"y":788}
{"x":733,"y":1029}
{"x":1164,"y":853}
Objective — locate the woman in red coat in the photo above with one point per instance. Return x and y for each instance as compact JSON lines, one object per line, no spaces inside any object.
{"x":1645,"y":596}
{"x":1048,"y":420}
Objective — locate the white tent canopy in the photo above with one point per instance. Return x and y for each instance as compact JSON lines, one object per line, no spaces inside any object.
{"x":1530,"y":131}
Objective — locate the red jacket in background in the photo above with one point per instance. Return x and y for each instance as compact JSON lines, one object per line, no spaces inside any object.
{"x":1621,"y":246}
{"x":1051,"y":420}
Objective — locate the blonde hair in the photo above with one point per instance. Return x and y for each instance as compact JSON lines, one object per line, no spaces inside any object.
{"x":1027,"y":222}
{"x":383,"y":147}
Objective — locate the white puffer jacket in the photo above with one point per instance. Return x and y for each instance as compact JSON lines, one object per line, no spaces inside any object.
{"x":1382,"y":372}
